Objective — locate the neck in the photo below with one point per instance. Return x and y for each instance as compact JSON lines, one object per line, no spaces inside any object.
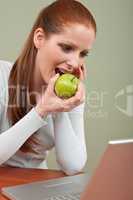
{"x":38,"y":84}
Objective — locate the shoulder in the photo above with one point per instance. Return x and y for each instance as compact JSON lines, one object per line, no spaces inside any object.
{"x":5,"y":68}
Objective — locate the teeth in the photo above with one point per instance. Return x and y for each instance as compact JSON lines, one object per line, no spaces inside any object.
{"x":61,"y":71}
{"x":57,"y":70}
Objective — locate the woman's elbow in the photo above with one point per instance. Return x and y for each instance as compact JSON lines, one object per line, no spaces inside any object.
{"x":2,"y":160}
{"x":73,"y":171}
{"x":4,"y":156}
{"x":73,"y":167}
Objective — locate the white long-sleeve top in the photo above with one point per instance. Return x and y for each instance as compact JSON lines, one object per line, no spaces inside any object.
{"x":63,"y":131}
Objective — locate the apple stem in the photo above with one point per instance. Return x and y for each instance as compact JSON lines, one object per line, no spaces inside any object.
{"x":73,"y":78}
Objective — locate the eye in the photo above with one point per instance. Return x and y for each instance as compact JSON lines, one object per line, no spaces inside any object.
{"x":65,"y":47}
{"x":84,"y":53}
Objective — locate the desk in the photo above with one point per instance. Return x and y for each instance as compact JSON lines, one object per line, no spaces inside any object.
{"x":14,"y":176}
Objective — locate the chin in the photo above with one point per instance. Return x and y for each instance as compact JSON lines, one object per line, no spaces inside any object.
{"x":48,"y":77}
{"x":45,"y":81}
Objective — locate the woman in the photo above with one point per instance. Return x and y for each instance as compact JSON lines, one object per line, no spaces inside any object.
{"x":33,"y":119}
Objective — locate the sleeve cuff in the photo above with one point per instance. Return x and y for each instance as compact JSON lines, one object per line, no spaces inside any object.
{"x":37,"y":118}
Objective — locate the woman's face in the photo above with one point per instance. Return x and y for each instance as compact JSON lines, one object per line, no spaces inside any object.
{"x":64,"y":52}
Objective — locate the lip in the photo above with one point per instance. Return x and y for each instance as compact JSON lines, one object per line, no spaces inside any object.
{"x":61,"y":71}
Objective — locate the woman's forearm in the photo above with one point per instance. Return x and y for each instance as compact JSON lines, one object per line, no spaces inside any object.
{"x":70,"y":144}
{"x":12,"y":139}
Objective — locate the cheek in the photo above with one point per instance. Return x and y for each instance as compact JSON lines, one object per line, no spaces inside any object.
{"x":56,"y":56}
{"x":51,"y":57}
{"x":40,"y":57}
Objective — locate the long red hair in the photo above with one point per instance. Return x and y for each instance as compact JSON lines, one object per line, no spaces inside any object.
{"x":52,"y":19}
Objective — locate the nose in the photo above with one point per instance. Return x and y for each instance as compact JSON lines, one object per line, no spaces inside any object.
{"x":73,"y":62}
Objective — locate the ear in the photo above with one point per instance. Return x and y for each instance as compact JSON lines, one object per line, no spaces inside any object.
{"x":39,"y":38}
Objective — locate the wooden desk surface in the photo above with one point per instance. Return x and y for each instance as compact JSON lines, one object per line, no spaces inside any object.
{"x":14,"y":176}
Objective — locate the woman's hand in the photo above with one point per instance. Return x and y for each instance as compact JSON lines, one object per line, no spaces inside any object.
{"x":49,"y":102}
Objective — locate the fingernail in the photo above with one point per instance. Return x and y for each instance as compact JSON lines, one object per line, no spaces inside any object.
{"x":57,"y":74}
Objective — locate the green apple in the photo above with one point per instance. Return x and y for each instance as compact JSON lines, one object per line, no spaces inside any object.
{"x":66,"y":85}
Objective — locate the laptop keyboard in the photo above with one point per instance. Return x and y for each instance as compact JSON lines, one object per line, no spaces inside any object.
{"x":75,"y":196}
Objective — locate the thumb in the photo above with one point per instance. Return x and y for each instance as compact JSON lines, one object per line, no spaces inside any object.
{"x":52,"y":81}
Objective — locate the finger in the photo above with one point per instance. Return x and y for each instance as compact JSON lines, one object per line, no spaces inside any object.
{"x":73,"y":103}
{"x":84,"y":72}
{"x":80,"y":89}
{"x":78,"y":96}
{"x":83,"y":98}
{"x":69,"y":104}
{"x":81,"y":76}
{"x":52,"y":82}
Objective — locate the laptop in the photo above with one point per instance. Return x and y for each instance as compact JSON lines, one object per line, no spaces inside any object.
{"x":112,"y":180}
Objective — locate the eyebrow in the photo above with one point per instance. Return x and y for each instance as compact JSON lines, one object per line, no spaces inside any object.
{"x":74,"y":45}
